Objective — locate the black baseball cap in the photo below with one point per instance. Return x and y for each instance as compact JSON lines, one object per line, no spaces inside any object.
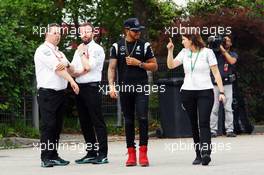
{"x":133,"y":24}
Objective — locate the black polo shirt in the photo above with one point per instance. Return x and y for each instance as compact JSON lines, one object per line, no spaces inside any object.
{"x":131,"y":74}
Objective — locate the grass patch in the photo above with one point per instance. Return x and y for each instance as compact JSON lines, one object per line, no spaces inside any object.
{"x":18,"y":129}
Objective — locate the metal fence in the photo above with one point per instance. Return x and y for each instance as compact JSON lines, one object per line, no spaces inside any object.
{"x":23,"y":114}
{"x":109,"y":106}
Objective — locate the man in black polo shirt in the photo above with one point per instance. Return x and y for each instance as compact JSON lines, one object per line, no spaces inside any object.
{"x":132,"y":57}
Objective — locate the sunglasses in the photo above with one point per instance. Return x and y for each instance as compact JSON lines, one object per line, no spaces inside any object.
{"x":136,"y":31}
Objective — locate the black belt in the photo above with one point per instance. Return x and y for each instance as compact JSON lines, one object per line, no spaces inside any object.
{"x":92,"y":84}
{"x":50,"y":90}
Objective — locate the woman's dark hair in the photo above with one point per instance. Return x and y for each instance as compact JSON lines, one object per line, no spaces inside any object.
{"x":196,"y":39}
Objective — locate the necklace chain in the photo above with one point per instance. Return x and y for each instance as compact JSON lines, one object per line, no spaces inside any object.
{"x":129,"y":54}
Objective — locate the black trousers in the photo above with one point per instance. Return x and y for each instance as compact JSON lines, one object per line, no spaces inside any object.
{"x":198,"y":105}
{"x":89,"y":103}
{"x":52,"y":105}
{"x":132,"y":102}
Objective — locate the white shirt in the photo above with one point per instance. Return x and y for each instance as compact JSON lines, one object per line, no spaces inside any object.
{"x":96,"y":62}
{"x":199,"y":78}
{"x":46,"y":58}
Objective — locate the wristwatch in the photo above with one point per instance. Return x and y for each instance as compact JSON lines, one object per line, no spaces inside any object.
{"x":222,"y":93}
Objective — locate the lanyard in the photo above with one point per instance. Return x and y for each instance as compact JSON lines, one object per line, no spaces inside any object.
{"x":193,"y":64}
{"x":60,"y":57}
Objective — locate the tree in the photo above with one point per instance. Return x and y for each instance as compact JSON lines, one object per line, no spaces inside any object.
{"x":19,"y":37}
{"x":246,"y":19}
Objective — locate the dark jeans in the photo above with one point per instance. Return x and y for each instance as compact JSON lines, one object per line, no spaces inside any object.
{"x":131,"y":102}
{"x":198,"y":105}
{"x":51,"y":107}
{"x":89,"y":103}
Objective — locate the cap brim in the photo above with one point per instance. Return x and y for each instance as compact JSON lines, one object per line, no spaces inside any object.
{"x":138,"y":28}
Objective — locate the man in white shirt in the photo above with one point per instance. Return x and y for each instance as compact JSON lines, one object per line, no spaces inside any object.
{"x":52,"y":80}
{"x":87,"y":66}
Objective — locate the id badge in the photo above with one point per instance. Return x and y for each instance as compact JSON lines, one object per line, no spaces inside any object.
{"x":225,"y":67}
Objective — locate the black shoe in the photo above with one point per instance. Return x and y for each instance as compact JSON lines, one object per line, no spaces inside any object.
{"x":89,"y":158}
{"x":230,"y":134}
{"x":213,"y":135}
{"x":46,"y":163}
{"x":206,"y":159}
{"x":197,"y":161}
{"x":59,"y":162}
{"x":101,"y":159}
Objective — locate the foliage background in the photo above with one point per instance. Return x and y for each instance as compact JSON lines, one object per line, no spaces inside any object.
{"x":18,"y":44}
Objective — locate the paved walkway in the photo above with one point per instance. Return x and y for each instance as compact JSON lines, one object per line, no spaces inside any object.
{"x":243,"y":155}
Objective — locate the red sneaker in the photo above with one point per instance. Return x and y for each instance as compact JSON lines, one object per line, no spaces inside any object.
{"x":132,"y":157}
{"x":143,"y":157}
